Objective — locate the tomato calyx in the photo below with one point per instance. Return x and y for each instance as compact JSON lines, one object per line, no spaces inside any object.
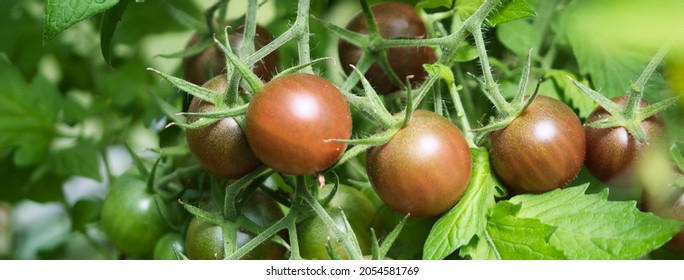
{"x":631,"y":115}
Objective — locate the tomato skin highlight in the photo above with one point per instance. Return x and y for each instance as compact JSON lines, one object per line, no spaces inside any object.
{"x":541,"y":150}
{"x":394,"y":20}
{"x":203,"y":66}
{"x":221,"y":148}
{"x":424,"y":169}
{"x":291,"y":120}
{"x":613,"y":152}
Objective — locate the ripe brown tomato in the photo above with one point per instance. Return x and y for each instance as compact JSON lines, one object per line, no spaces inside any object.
{"x":613,"y":152}
{"x":221,"y":148}
{"x":394,"y":20}
{"x":290,"y":121}
{"x":424,"y":169}
{"x":541,"y":150}
{"x":201,"y":67}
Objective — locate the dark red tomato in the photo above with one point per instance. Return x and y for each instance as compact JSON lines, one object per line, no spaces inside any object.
{"x":168,"y":247}
{"x":667,"y":203}
{"x":131,"y":216}
{"x":221,"y":148}
{"x":613,"y":152}
{"x":395,"y":20}
{"x":201,"y":67}
{"x":204,"y":241}
{"x":542,"y":149}
{"x":291,"y":119}
{"x":424,"y":170}
{"x":313,"y":234}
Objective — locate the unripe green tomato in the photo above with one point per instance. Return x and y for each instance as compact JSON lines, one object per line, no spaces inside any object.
{"x":131,"y":216}
{"x":313,"y":234}
{"x":168,"y":246}
{"x":204,"y":240}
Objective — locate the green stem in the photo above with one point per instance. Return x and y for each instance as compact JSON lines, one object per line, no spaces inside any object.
{"x":302,"y":23}
{"x":472,"y":23}
{"x":491,"y":89}
{"x":636,"y":91}
{"x":229,"y":209}
{"x":336,"y":234}
{"x":461,"y":116}
{"x":249,"y":33}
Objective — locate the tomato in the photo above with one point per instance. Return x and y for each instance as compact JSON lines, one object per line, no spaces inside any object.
{"x":131,"y":216}
{"x":221,"y":148}
{"x":612,"y":152}
{"x":201,"y":67}
{"x":394,"y":20}
{"x":424,"y":169}
{"x":542,"y":149}
{"x":667,"y":202}
{"x":409,"y":243}
{"x":168,"y":245}
{"x":204,"y":241}
{"x":290,"y":119}
{"x":313,"y":234}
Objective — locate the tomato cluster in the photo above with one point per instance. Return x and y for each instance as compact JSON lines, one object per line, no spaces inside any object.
{"x":299,"y":125}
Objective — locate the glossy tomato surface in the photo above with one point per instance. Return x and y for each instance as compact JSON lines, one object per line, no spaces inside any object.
{"x":542,"y":149}
{"x":613,"y":152}
{"x":204,"y":241}
{"x":201,"y":67}
{"x":394,"y":20}
{"x":221,"y":148}
{"x":291,"y":120}
{"x":424,"y":169}
{"x":131,"y":216}
{"x":313,"y":235}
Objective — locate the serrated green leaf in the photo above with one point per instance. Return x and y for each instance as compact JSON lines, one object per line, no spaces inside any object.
{"x":519,"y":36}
{"x":506,"y":11}
{"x":61,"y":14}
{"x":110,"y":20}
{"x":590,"y":227}
{"x":78,"y":160}
{"x":571,"y":94}
{"x":469,"y":217}
{"x":509,"y":237}
{"x":612,"y":65}
{"x":27,"y":115}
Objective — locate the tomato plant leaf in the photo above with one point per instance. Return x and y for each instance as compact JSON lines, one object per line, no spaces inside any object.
{"x":519,"y":36}
{"x":110,"y":20}
{"x":429,"y":4}
{"x":27,"y":115}
{"x":510,"y":237}
{"x":571,"y":94}
{"x":588,"y":226}
{"x":594,"y":53}
{"x":80,"y":160}
{"x":84,"y":211}
{"x":61,"y":14}
{"x":506,"y":11}
{"x":469,"y":217}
